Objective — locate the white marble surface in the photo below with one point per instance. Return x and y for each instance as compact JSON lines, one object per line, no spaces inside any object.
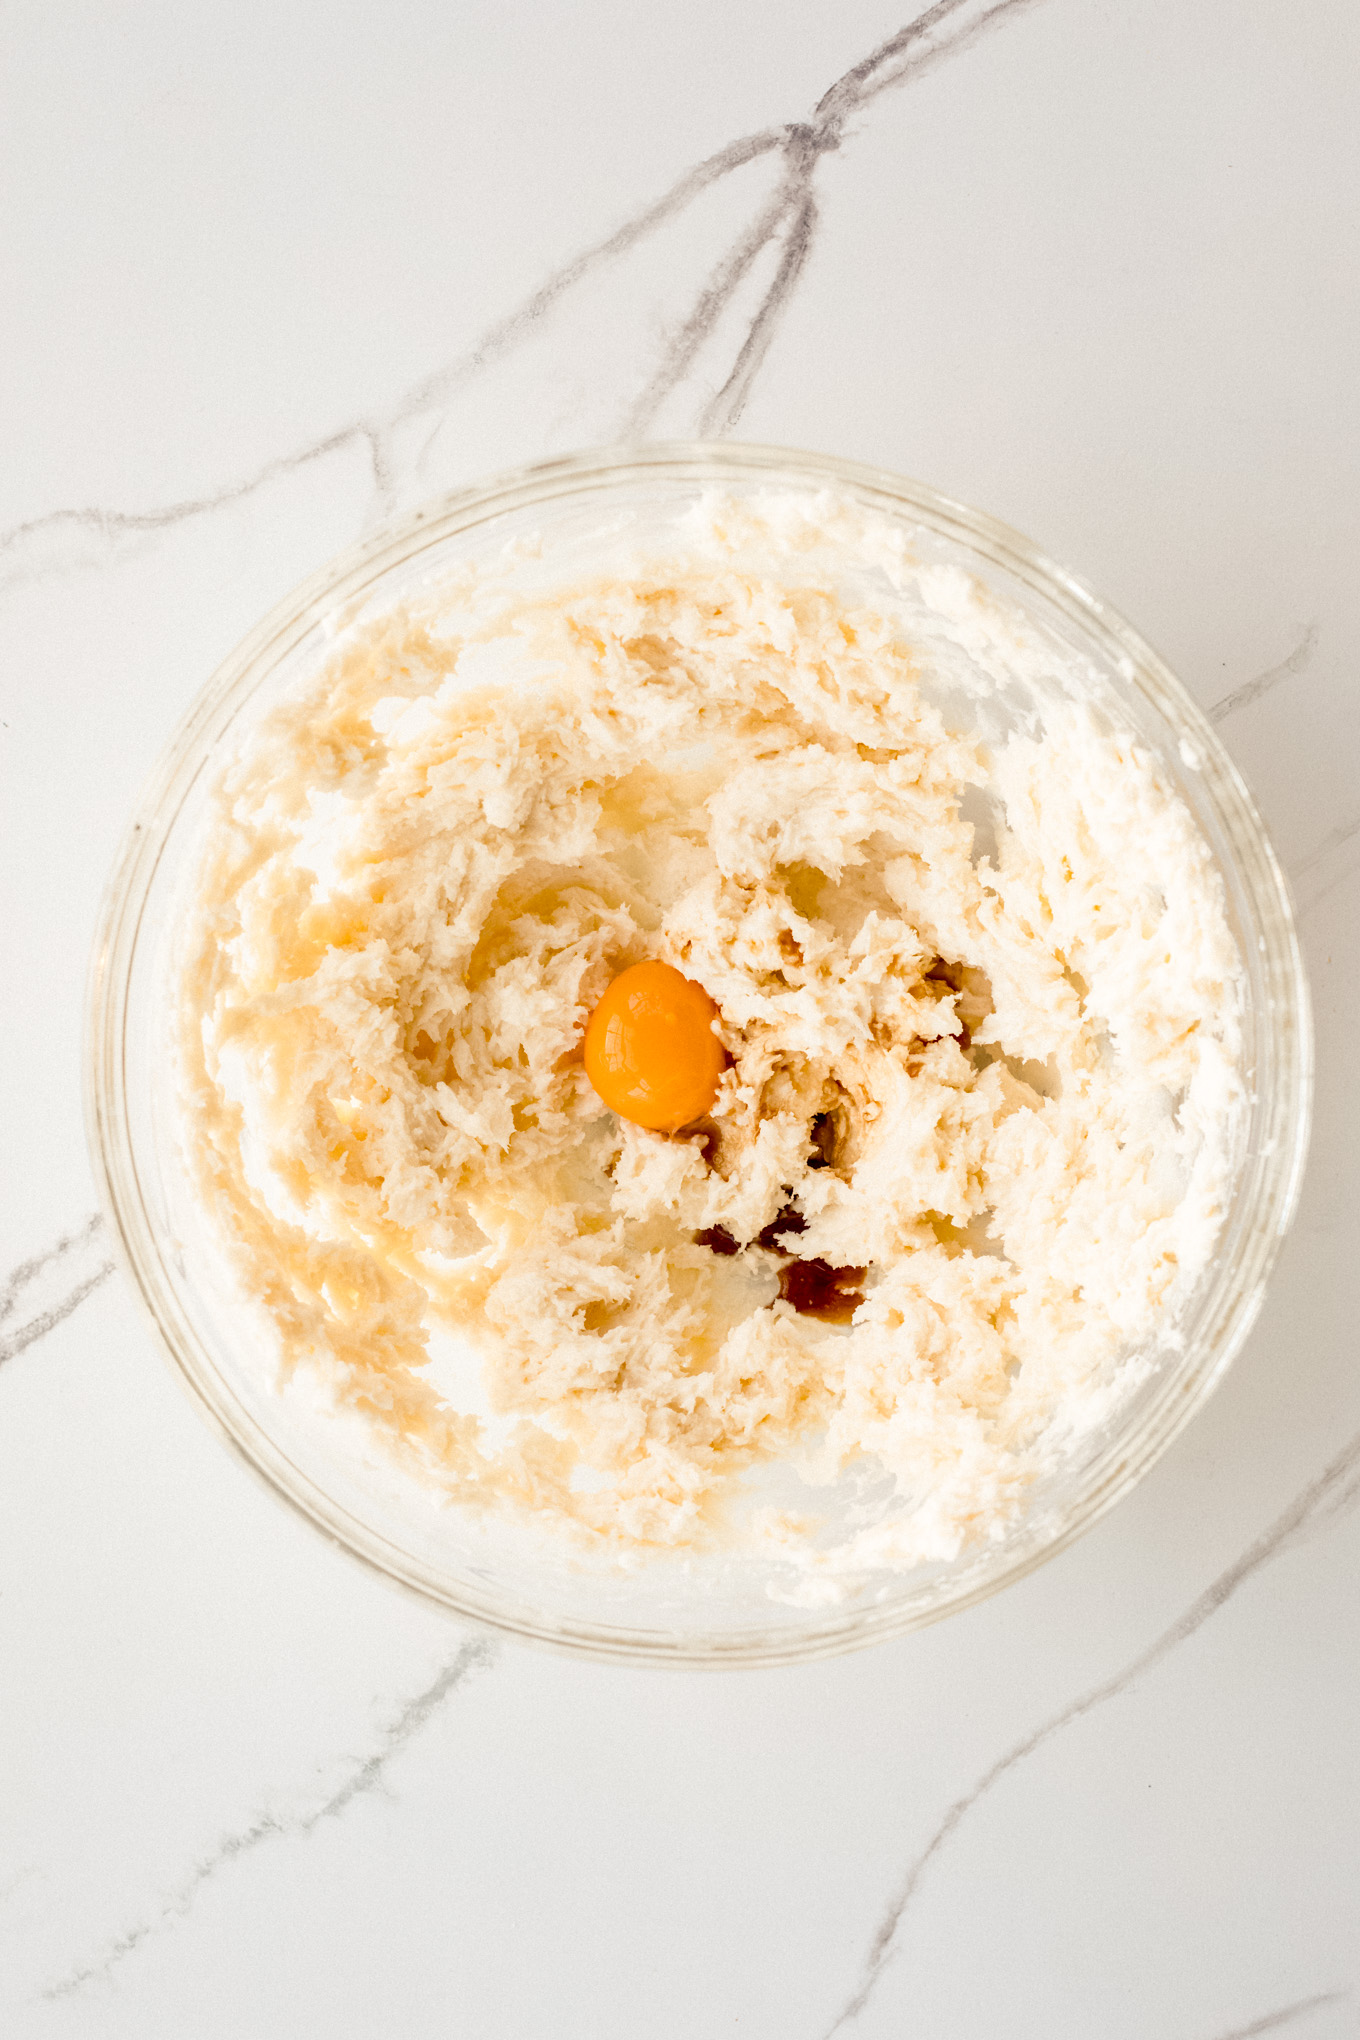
{"x":272,"y":270}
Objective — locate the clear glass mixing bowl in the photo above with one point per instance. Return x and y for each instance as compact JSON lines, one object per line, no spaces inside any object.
{"x":701,"y":1612}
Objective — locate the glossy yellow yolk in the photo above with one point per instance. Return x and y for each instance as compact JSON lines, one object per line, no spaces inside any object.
{"x":650,"y":1049}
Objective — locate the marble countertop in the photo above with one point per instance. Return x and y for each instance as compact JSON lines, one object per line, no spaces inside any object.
{"x":274,"y":272}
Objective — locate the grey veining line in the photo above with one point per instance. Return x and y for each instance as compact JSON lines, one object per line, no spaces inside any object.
{"x":422,"y":398}
{"x":793,"y":210}
{"x":1334,"y":840}
{"x":893,"y":63}
{"x":1322,"y":1502}
{"x":1286,"y":2015}
{"x":1344,"y":832}
{"x":1252,"y":690}
{"x":726,"y":407}
{"x":67,"y":1262}
{"x":367,"y":1776}
{"x":793,"y":213}
{"x":506,"y":332}
{"x":107,"y":526}
{"x":679,"y":355}
{"x":905,"y":53}
{"x":28,"y":1271}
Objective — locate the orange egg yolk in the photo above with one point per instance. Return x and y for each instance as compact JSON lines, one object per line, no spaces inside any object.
{"x":650,"y":1049}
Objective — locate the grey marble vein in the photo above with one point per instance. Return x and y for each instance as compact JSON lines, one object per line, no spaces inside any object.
{"x":25,"y":543}
{"x":679,"y":353}
{"x":28,"y":546}
{"x":905,"y":53}
{"x":1336,"y":839}
{"x":500,"y":338}
{"x":367,"y":1776}
{"x":1252,"y":690}
{"x":1334,"y":1492}
{"x":789,"y":219}
{"x":42,"y":1292}
{"x":26,"y":549}
{"x":1287,"y":2014}
{"x":723,"y":412}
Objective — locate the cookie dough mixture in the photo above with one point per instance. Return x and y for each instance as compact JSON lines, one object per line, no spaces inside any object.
{"x":977,"y":1004}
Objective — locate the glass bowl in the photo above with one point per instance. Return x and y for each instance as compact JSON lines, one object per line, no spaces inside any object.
{"x":700,"y":1612}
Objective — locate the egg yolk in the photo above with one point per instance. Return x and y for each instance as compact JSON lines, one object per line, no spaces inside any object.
{"x":650,"y":1049}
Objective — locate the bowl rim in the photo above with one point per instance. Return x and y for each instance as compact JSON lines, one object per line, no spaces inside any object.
{"x":342,"y":581}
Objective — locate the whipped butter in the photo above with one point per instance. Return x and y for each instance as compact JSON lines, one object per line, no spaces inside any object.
{"x":977,"y":999}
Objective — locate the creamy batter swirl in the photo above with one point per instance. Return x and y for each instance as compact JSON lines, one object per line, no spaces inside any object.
{"x":971,"y":1137}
